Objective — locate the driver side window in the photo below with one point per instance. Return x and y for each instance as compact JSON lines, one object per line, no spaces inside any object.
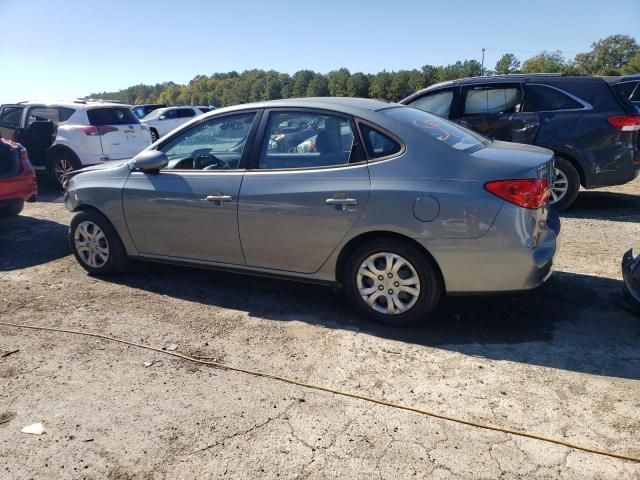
{"x":213,"y":145}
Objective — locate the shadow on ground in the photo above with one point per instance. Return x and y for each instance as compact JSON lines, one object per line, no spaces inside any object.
{"x":47,"y":192}
{"x":28,"y":241}
{"x":621,"y":207}
{"x":571,"y":323}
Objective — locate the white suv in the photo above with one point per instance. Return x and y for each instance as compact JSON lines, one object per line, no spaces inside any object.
{"x":65,"y":136}
{"x":163,"y":120}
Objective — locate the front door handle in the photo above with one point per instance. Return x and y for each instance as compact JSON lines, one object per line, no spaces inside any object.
{"x":341,"y":201}
{"x":219,"y":198}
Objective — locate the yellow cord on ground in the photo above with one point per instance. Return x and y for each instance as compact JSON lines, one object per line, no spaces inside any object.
{"x":336,"y":392}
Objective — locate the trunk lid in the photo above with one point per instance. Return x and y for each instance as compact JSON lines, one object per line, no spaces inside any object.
{"x":505,"y":160}
{"x":121,"y":134}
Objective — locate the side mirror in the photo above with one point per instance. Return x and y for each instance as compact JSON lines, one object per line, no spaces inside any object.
{"x":150,"y":160}
{"x":162,"y":117}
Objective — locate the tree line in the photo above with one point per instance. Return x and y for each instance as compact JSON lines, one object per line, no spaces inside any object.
{"x":614,"y":55}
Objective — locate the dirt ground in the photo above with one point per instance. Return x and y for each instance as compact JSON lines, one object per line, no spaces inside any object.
{"x":561,"y":361}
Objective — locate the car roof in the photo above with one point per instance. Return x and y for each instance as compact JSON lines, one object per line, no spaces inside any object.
{"x":75,"y":104}
{"x":350,"y":105}
{"x":519,"y":77}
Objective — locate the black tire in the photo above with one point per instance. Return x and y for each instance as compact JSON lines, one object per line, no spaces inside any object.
{"x":573,"y":184}
{"x":116,"y":259}
{"x":430,"y":285}
{"x":154,"y":135}
{"x":61,"y":158}
{"x":12,"y":210}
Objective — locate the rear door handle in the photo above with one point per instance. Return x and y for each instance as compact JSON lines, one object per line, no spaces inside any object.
{"x":219,"y":198}
{"x":341,"y":201}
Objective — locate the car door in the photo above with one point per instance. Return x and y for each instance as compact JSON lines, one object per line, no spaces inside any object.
{"x":167,"y":121}
{"x":189,"y":210}
{"x":11,"y":122}
{"x":297,"y":205}
{"x":496,"y":111}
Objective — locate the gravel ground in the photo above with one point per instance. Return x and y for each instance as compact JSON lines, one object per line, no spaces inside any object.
{"x":561,"y":361}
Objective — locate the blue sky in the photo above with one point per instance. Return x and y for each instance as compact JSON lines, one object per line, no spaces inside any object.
{"x":70,"y":48}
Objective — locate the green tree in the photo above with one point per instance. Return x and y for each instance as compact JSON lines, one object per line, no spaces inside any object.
{"x":507,"y":64}
{"x":379,"y":85}
{"x":318,"y":87}
{"x":633,"y":66}
{"x":358,"y":85}
{"x":545,"y":62}
{"x":338,"y":82}
{"x":301,"y":80}
{"x":607,"y":56}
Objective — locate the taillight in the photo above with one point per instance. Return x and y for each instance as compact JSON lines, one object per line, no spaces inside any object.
{"x":526,"y":193}
{"x":95,"y":131}
{"x":625,"y":123}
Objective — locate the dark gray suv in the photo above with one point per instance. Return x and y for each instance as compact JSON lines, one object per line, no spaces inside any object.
{"x":590,"y":126}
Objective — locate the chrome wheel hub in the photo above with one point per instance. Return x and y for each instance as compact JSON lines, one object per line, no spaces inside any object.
{"x":91,"y":244}
{"x":560,"y":187}
{"x":62,"y":169}
{"x":388,"y":283}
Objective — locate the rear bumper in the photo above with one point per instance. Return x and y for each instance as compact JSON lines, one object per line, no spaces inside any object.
{"x":20,"y":188}
{"x":516,"y":254}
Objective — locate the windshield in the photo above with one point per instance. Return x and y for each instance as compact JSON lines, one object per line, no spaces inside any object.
{"x":155,"y":114}
{"x":453,"y":135}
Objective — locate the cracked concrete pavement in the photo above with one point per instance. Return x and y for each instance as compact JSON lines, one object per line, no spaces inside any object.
{"x":561,"y":361}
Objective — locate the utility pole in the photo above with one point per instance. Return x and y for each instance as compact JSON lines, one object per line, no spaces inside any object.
{"x":482,"y":67}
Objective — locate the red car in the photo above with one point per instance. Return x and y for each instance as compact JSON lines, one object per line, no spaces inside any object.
{"x":17,"y":178}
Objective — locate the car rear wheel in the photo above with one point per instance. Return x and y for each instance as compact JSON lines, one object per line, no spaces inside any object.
{"x":96,"y":245}
{"x":392,"y":282}
{"x":60,"y":165}
{"x":564,"y":190}
{"x":12,"y":210}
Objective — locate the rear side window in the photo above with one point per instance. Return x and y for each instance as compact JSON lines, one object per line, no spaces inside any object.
{"x":204,"y":109}
{"x":111,"y":116}
{"x":186,"y":112}
{"x":438,"y":128}
{"x":10,"y":117}
{"x":628,"y":90}
{"x":493,"y":100}
{"x":377,"y":143}
{"x":438,"y":103}
{"x":53,"y":114}
{"x":540,"y":98}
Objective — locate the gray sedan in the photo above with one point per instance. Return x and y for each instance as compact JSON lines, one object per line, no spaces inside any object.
{"x":392,"y":203}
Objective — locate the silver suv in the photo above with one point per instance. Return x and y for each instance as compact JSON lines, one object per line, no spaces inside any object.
{"x":65,"y":136}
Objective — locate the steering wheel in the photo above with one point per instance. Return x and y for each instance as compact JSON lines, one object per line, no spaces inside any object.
{"x":206,"y":161}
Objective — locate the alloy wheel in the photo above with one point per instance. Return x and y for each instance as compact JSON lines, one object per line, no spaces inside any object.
{"x":560,"y":186}
{"x":388,"y":283}
{"x":91,"y":244}
{"x":62,"y":168}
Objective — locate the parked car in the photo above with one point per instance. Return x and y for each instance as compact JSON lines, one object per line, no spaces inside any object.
{"x":17,"y":178}
{"x":163,"y":120}
{"x":142,"y":111}
{"x":592,"y":130}
{"x":65,"y":136}
{"x":408,"y":207}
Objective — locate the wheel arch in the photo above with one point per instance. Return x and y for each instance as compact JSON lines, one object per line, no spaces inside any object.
{"x":576,"y":164}
{"x":59,"y":148}
{"x":365,"y":237}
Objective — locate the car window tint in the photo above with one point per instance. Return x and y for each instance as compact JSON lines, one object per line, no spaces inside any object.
{"x":306,"y":140}
{"x":438,"y":103}
{"x":43,"y":114}
{"x":65,"y":113}
{"x":186,"y":112}
{"x":11,"y":116}
{"x":443,"y":130}
{"x":216,"y":144}
{"x":377,"y":143}
{"x":111,"y":116}
{"x":493,"y":100}
{"x":540,"y":98}
{"x":170,"y":114}
{"x":204,"y":109}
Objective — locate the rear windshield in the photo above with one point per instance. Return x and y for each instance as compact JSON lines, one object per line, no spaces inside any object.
{"x":628,"y":90}
{"x":111,"y":116}
{"x":439,"y":128}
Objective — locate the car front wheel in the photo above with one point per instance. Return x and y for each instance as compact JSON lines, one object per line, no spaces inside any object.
{"x":95,"y":244}
{"x":392,"y":282}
